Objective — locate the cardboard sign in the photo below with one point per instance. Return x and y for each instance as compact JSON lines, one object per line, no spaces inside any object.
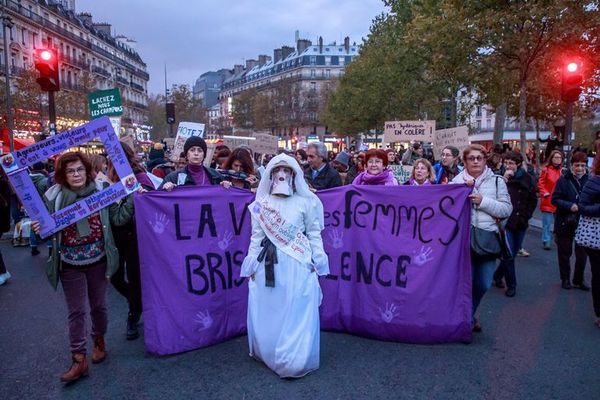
{"x":16,"y":165}
{"x":185,"y":130}
{"x":407,"y":131}
{"x":457,"y":137}
{"x":105,"y":102}
{"x":401,"y":172}
{"x":236,"y":141}
{"x":265,"y":143}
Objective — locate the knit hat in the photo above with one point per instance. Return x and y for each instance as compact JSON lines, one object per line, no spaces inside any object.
{"x":342,"y":158}
{"x":157,"y":151}
{"x":194,"y":141}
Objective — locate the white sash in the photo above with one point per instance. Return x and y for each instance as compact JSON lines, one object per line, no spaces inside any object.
{"x":286,"y":236}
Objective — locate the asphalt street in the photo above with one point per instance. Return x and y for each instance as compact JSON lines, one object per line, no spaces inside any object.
{"x":541,"y":344}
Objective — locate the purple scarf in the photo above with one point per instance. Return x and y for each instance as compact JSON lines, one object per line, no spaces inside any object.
{"x":144,"y":180}
{"x":199,"y":175}
{"x":385,"y":177}
{"x":413,"y":182}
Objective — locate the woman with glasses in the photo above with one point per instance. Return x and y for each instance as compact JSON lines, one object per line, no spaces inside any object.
{"x":83,"y":257}
{"x":447,"y":168}
{"x":490,"y":201}
{"x":376,"y":171}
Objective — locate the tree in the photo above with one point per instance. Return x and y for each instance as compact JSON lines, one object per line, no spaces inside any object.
{"x":243,"y":109}
{"x":157,"y":118}
{"x":187,"y":108}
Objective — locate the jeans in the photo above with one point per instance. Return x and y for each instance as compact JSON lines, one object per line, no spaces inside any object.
{"x":35,"y":239}
{"x":547,"y":223}
{"x":564,"y":247}
{"x":506,"y":268}
{"x":482,"y":273}
{"x":594,"y":256}
{"x":82,"y":284}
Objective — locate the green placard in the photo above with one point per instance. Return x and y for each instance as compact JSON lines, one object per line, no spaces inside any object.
{"x":105,"y":102}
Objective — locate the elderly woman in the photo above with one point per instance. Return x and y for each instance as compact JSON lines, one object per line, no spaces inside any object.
{"x":422,"y":173}
{"x":239,"y":171}
{"x":490,"y":201}
{"x":83,"y":257}
{"x":546,"y":184}
{"x":376,"y":172}
{"x":194,"y":173}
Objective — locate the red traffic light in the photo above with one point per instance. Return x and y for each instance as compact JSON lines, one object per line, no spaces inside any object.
{"x":46,"y":62}
{"x":572,"y":80}
{"x":572,"y":67}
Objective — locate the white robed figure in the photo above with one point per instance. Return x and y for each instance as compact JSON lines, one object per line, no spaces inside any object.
{"x":285,"y":256}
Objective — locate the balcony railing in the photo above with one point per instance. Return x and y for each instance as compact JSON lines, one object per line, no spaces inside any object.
{"x":101,"y":71}
{"x":138,"y":105}
{"x":137,"y":87}
{"x":76,"y":62}
{"x":122,"y":80}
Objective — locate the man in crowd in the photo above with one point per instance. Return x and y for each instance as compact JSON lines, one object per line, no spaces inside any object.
{"x":318,"y":173}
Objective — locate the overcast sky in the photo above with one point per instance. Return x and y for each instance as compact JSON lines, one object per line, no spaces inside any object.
{"x":196,"y":36}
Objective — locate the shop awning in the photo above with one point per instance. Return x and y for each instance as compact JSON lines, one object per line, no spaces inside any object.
{"x":19,"y":142}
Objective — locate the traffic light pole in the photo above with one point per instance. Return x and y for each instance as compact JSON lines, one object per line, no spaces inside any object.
{"x":51,"y":114}
{"x":7,"y":23}
{"x":568,"y":129}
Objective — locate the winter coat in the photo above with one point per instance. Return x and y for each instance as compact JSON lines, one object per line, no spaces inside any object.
{"x":523,"y":197}
{"x":326,"y":179}
{"x":589,"y":200}
{"x":546,"y":184}
{"x":439,"y":173}
{"x":495,"y":201}
{"x":173,"y":177}
{"x":566,"y":193}
{"x":115,"y":214}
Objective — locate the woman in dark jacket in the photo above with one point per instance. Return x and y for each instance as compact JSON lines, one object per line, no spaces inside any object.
{"x":195,"y":173}
{"x":589,"y":205}
{"x":521,"y":188}
{"x":565,"y":198}
{"x":126,"y":242}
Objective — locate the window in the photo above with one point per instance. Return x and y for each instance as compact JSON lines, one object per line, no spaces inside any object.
{"x":328,"y":73}
{"x":478,"y":112}
{"x":313,"y":86}
{"x":313,"y":60}
{"x":313,"y":73}
{"x":23,"y":35}
{"x":488,"y":124}
{"x":478,"y":126}
{"x":327,"y":60}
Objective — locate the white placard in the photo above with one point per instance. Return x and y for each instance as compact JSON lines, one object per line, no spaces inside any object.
{"x":185,"y":130}
{"x":457,"y":137}
{"x":407,"y":131}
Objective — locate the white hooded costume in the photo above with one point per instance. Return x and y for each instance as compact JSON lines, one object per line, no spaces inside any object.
{"x":283,"y":310}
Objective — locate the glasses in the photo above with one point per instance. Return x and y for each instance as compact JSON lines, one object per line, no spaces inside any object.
{"x":73,"y":172}
{"x":475,"y":158}
{"x":444,"y":155}
{"x":374,"y":161}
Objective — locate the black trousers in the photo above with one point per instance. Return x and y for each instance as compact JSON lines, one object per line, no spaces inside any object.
{"x":129,"y":265}
{"x":564,"y":245}
{"x":595,"y":263}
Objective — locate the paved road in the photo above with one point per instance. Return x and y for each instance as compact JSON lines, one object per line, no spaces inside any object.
{"x":539,"y":345}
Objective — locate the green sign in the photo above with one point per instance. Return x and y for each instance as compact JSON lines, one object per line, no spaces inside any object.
{"x":105,"y":102}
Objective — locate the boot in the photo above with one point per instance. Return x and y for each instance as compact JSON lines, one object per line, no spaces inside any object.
{"x":99,"y":350}
{"x":78,"y":369}
{"x":132,"y":328}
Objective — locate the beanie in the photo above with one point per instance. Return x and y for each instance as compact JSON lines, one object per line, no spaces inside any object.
{"x":343,"y":158}
{"x":194,"y":141}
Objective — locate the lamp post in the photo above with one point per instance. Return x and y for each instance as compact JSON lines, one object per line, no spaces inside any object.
{"x":8,"y":23}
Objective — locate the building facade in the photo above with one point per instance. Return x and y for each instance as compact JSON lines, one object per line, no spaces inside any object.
{"x":312,"y":69}
{"x":208,"y":86}
{"x":85,"y":48}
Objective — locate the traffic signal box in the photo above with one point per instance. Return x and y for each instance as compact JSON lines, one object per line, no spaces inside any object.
{"x":572,"y":78}
{"x":46,"y":62}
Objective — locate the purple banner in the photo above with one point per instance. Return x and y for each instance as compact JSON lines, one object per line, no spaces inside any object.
{"x":16,"y":167}
{"x":399,"y":260}
{"x":192,"y":244}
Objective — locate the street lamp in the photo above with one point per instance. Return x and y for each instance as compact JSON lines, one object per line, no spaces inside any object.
{"x":7,"y":22}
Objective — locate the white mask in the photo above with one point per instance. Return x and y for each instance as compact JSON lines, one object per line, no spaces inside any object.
{"x":282,"y":182}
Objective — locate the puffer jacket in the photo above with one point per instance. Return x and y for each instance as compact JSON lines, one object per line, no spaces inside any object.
{"x":566,"y":193}
{"x":523,"y":197}
{"x":495,"y":201}
{"x":546,"y":185}
{"x":589,"y":200}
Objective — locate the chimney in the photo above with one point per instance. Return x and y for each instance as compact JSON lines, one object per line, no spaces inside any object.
{"x":303,"y":44}
{"x":250,"y":64}
{"x":263,"y":59}
{"x":347,"y":44}
{"x":103,"y":27}
{"x":286,"y":51}
{"x":86,"y":18}
{"x":320,"y":44}
{"x":296,"y":35}
{"x":238,"y":69}
{"x":277,"y":55}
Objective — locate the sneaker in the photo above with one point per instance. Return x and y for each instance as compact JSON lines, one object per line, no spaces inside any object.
{"x":546,"y":246}
{"x":523,"y":253}
{"x":34,"y":251}
{"x":4,"y":277}
{"x":132,"y":326}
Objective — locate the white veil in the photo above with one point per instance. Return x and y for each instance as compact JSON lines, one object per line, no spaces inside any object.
{"x":264,"y":187}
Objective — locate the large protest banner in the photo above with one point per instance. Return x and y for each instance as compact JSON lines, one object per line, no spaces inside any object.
{"x":400,"y":267}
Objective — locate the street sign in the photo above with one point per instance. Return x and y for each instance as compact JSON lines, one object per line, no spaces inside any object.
{"x":105,"y":102}
{"x":406,"y":131}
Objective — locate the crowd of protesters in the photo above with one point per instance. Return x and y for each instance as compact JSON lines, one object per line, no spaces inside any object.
{"x":504,"y":197}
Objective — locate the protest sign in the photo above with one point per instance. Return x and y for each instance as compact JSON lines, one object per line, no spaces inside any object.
{"x":15,"y":165}
{"x":457,"y":137}
{"x":401,"y":172}
{"x":406,"y":131}
{"x":236,"y":141}
{"x":105,"y":102}
{"x":265,"y":143}
{"x":185,"y":130}
{"x":399,"y":260}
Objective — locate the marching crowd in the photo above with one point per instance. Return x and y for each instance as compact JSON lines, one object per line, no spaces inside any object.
{"x":504,"y":197}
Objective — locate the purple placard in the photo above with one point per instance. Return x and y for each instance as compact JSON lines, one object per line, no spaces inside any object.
{"x":399,"y":260}
{"x":15,"y":165}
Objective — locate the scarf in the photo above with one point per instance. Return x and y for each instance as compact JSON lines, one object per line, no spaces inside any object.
{"x":69,"y":197}
{"x":144,"y":180}
{"x":198,"y":174}
{"x":413,"y":182}
{"x":479,"y":180}
{"x":385,"y":177}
